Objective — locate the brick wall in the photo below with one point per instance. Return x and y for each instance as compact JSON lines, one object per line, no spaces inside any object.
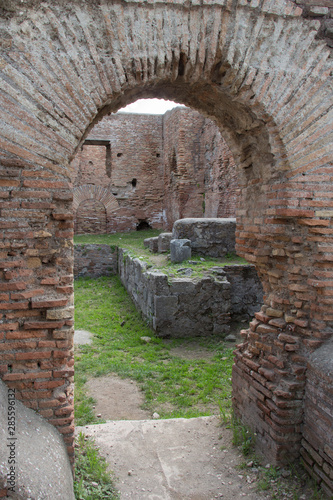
{"x":220,"y":175}
{"x":260,"y":72}
{"x":36,"y":291}
{"x":157,"y":168}
{"x":317,"y":443}
{"x":322,"y":12}
{"x":125,"y":163}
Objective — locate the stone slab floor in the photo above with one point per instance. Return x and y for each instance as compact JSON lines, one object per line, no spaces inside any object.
{"x":175,"y":459}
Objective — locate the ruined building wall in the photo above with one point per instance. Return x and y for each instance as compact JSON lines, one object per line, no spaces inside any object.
{"x":183,"y":168}
{"x":184,"y":172}
{"x":117,"y":175}
{"x":322,"y":12}
{"x":220,"y":178}
{"x":259,"y":70}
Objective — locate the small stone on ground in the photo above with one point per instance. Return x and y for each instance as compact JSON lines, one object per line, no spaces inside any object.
{"x":82,"y":337}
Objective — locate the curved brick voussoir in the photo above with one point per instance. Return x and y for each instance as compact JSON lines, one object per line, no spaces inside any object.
{"x":255,"y":68}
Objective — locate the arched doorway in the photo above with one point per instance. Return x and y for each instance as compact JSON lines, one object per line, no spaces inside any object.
{"x":91,"y":217}
{"x":256,"y":69}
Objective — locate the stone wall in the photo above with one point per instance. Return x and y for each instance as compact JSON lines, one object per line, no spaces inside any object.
{"x":152,"y":168}
{"x":95,"y":260}
{"x":246,"y":294}
{"x":32,"y":453}
{"x":187,"y":306}
{"x":317,"y":443}
{"x":213,"y":237}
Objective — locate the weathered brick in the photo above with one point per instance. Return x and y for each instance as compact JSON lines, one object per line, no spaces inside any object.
{"x":35,"y":304}
{"x":278,"y":124}
{"x":30,"y":325}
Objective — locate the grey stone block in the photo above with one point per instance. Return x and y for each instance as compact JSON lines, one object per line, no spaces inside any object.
{"x":153,"y":244}
{"x":180,"y":250}
{"x":182,"y":286}
{"x":165,"y":307}
{"x":164,"y":242}
{"x":213,"y":237}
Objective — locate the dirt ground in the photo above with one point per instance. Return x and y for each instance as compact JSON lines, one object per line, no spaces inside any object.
{"x":174,"y":459}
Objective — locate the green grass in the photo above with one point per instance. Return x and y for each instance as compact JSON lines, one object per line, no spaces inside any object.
{"x":172,"y":386}
{"x":92,"y":481}
{"x":132,"y":240}
{"x":133,"y":243}
{"x":200,"y":267}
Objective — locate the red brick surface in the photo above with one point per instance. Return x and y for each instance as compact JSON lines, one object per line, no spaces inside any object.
{"x":263,"y":73}
{"x":180,"y":164}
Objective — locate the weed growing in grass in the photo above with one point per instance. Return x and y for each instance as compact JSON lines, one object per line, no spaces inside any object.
{"x":92,"y":481}
{"x":291,"y":482}
{"x":242,"y":436}
{"x":172,"y":386}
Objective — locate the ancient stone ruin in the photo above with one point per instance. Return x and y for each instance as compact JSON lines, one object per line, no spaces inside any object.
{"x":213,"y":237}
{"x":263,"y":72}
{"x":184,"y":305}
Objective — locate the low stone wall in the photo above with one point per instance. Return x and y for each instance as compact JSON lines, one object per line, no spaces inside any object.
{"x":317,"y":443}
{"x":246,"y":293}
{"x":94,"y":260}
{"x":188,"y":306}
{"x":183,"y":306}
{"x":213,"y":237}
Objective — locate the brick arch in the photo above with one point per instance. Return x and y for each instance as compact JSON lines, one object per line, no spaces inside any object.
{"x":257,"y":70}
{"x":90,"y":217}
{"x":93,"y":192}
{"x":97,"y":193}
{"x":100,"y":195}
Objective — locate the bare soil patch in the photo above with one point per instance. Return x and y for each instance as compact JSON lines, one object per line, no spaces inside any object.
{"x":117,"y":399}
{"x":191,"y":351}
{"x":173,"y":459}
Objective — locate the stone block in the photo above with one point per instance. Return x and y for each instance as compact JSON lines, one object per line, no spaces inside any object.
{"x":35,"y":442}
{"x":153,"y":244}
{"x":180,"y":250}
{"x":213,"y":237}
{"x":165,"y":307}
{"x":164,"y":242}
{"x":182,"y":286}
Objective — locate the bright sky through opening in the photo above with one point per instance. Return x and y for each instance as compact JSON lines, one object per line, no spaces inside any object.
{"x":150,"y":106}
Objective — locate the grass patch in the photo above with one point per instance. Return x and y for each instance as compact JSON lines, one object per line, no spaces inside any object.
{"x":93,"y":480}
{"x":133,"y":243}
{"x":173,"y":387}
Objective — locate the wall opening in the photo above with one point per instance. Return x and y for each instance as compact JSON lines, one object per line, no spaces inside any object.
{"x":61,"y":75}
